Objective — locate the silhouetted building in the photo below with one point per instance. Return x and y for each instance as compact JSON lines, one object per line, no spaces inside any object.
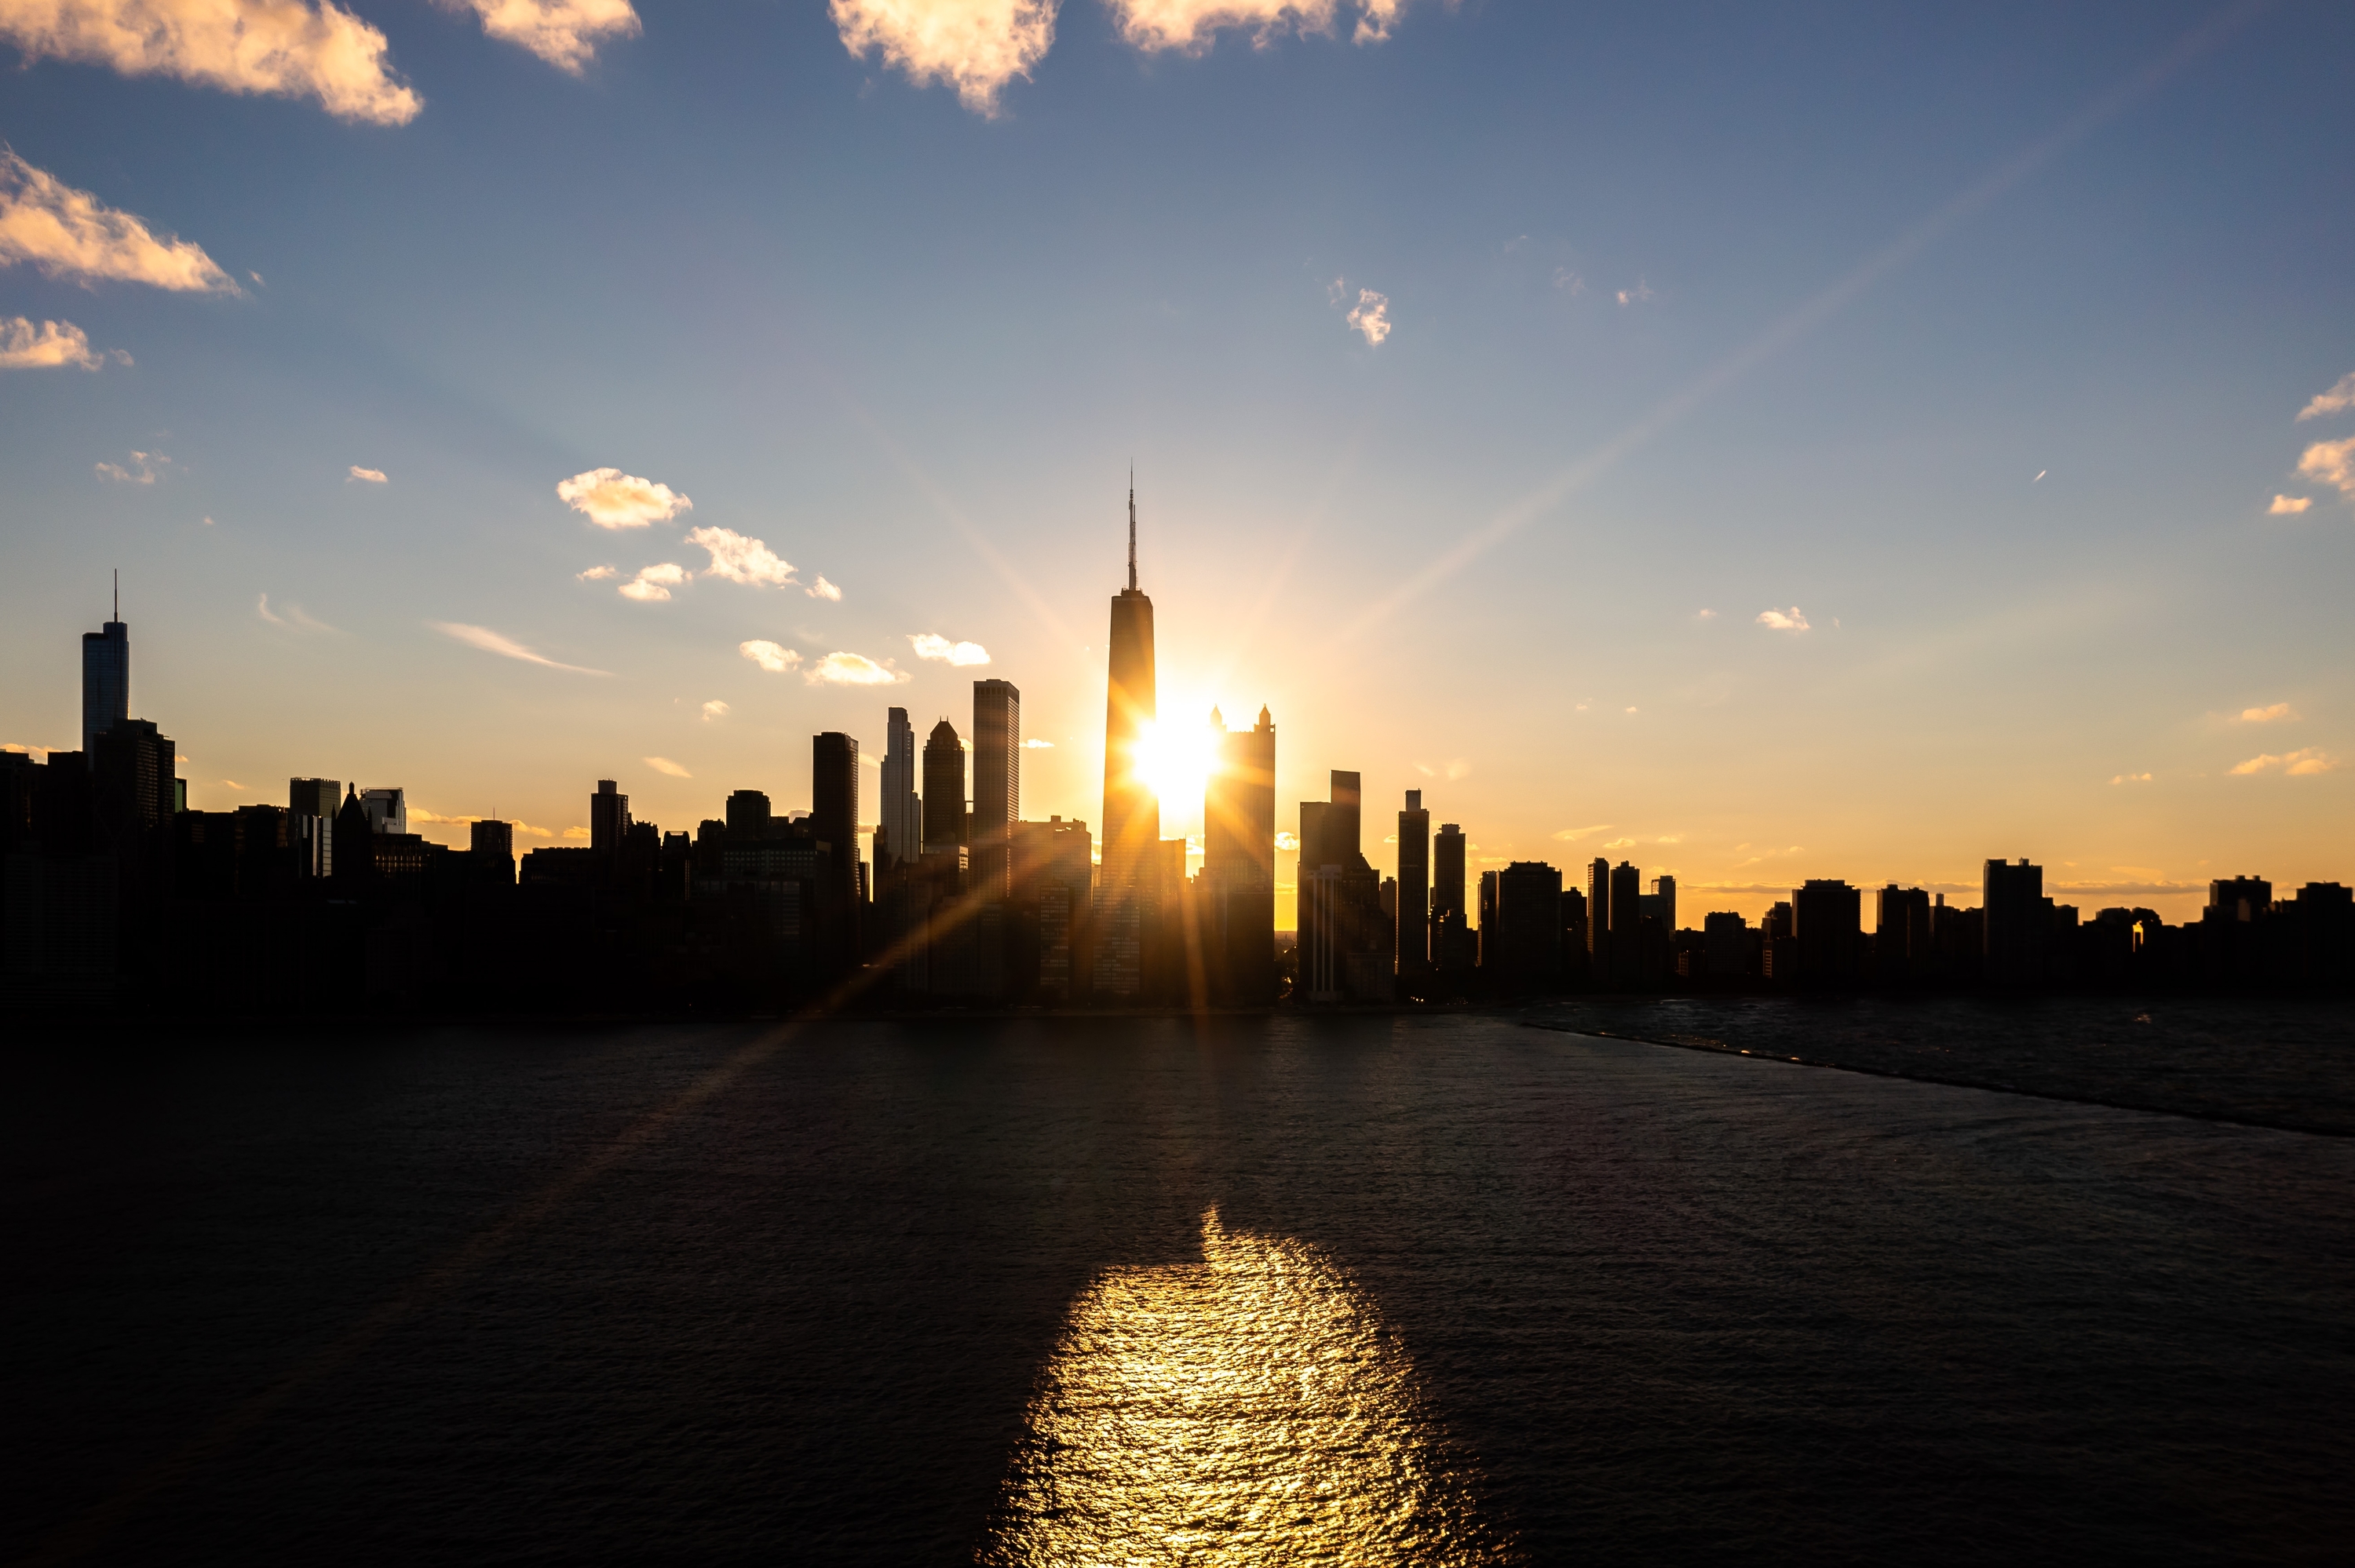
{"x":1345,"y":945}
{"x":1728,"y":947}
{"x":1414,"y":921}
{"x":945,"y":814}
{"x":1826,"y":920}
{"x":1660,"y":904}
{"x":1126,"y":898}
{"x":1454,"y":946}
{"x":609,"y":818}
{"x":834,"y":813}
{"x":1901,"y":932}
{"x":1237,"y":891}
{"x":1520,"y":944}
{"x":1053,"y":879}
{"x":996,"y":783}
{"x":105,"y":681}
{"x":900,"y":824}
{"x":492,"y":843}
{"x":311,"y":823}
{"x":2015,"y":923}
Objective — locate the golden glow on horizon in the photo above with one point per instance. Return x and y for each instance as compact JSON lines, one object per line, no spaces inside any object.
{"x":1176,"y":761}
{"x":1251,"y":1408}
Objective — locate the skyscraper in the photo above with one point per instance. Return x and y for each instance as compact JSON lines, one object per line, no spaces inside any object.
{"x":1126,"y":893}
{"x":311,"y":822}
{"x":1237,"y":892}
{"x":1451,"y":938}
{"x":105,"y":679}
{"x":943,"y":791}
{"x":996,"y":783}
{"x":833,"y":809}
{"x":2013,"y":923}
{"x":898,"y":820}
{"x":609,"y":818}
{"x":1414,"y":885}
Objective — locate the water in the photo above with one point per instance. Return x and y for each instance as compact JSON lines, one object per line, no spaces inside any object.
{"x":1271,"y":1290}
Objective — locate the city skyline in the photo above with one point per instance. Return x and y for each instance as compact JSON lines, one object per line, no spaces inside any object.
{"x":1751,"y":494}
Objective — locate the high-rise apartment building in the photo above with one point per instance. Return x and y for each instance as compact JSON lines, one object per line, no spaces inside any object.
{"x":609,"y":819}
{"x":1451,"y":937}
{"x":997,"y":784}
{"x":105,"y":681}
{"x":388,"y":808}
{"x":1345,"y":945}
{"x":1901,"y":931}
{"x":1413,"y":923}
{"x":944,"y":821}
{"x":1127,"y":900}
{"x":1827,"y":916}
{"x":2012,"y":922}
{"x":899,"y":821}
{"x":311,"y":823}
{"x":1598,"y":912}
{"x":1239,"y":806}
{"x":833,"y":809}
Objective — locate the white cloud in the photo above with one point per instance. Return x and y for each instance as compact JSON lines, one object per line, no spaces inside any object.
{"x":365,"y":475}
{"x":143,"y":470}
{"x":2267,"y":714}
{"x":1569,"y":282}
{"x":564,"y":33}
{"x":714,"y":709}
{"x":1709,"y":615}
{"x":1779,"y":621}
{"x":25,"y":346}
{"x":71,"y":234}
{"x":1038,"y":746}
{"x":741,"y":560}
{"x":664,"y":765}
{"x":974,"y":45}
{"x":1571,"y":835}
{"x":2289,"y":506}
{"x":854,"y":670}
{"x":2337,"y":400}
{"x":290,"y":48}
{"x":1287,"y":840}
{"x":1618,"y":844}
{"x":1371,"y":316}
{"x":490,"y":642}
{"x":2131,"y":779}
{"x":1641,"y":294}
{"x":611,"y":499}
{"x":775,"y":658}
{"x":596,"y":574}
{"x":2331,"y":462}
{"x":294,"y":616}
{"x":822,"y":589}
{"x":1189,"y":26}
{"x":654,"y":583}
{"x":2304,"y":763}
{"x":931,"y":645}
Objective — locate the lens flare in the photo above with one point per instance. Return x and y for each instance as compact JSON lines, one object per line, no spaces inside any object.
{"x":1252,"y":1408}
{"x":1176,"y":761}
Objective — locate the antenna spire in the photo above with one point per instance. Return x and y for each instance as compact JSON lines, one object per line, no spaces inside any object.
{"x":118,"y":593}
{"x":1132,"y":528}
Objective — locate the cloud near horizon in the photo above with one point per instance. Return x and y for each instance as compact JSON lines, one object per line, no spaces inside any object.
{"x":70,"y":235}
{"x":490,"y":642}
{"x":974,"y":46}
{"x":2301,"y":764}
{"x":290,"y":48}
{"x":774,"y":657}
{"x":1191,"y":26}
{"x":1777,"y":621}
{"x":564,"y":33}
{"x":365,"y":475}
{"x":1038,"y":746}
{"x":611,"y":499}
{"x":741,"y":559}
{"x":2337,"y":400}
{"x":2267,"y":714}
{"x":931,"y":645}
{"x":854,"y":670}
{"x":654,"y":583}
{"x":1571,"y":835}
{"x":47,"y":346}
{"x":2331,"y":463}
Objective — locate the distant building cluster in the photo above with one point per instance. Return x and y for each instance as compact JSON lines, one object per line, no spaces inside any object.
{"x":112,"y":892}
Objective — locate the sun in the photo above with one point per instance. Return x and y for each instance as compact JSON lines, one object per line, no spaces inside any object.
{"x":1176,"y":761}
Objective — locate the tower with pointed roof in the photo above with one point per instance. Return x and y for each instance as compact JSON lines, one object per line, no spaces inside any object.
{"x":1125,"y":890}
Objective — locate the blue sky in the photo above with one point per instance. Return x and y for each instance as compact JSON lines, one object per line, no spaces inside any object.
{"x":914,"y":347}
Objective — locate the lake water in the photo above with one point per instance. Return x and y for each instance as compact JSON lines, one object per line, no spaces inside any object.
{"x":1256,"y":1290}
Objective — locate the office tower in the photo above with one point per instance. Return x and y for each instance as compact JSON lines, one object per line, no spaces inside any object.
{"x":1451,"y":938}
{"x":609,"y":818}
{"x":1053,"y":878}
{"x":1520,"y":939}
{"x":133,"y":782}
{"x":944,"y":818}
{"x":105,"y":679}
{"x":1660,"y":904}
{"x":1827,"y":918}
{"x":492,"y":843}
{"x":898,"y":820}
{"x":388,"y":808}
{"x":355,"y":855}
{"x":1239,"y":807}
{"x":1901,"y":931}
{"x":1727,"y":943}
{"x":1132,"y":814}
{"x":311,"y":823}
{"x":1345,"y":946}
{"x":1414,"y":885}
{"x":833,"y":807}
{"x":2013,"y":923}
{"x":996,"y":783}
{"x":2241,"y":900}
{"x":1598,"y":906}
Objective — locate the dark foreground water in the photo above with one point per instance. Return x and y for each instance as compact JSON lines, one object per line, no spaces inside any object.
{"x":1263,"y":1291}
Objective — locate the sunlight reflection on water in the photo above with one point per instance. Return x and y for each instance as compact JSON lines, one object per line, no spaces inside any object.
{"x":1251,"y":1408}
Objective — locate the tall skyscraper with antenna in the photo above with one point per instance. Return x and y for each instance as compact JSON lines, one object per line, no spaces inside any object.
{"x":901,"y":821}
{"x":106,"y":676}
{"x":1125,"y":890}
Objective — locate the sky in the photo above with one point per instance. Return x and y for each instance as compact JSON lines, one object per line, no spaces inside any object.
{"x":1755,"y":443}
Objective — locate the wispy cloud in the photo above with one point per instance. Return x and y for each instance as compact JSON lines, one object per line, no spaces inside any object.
{"x":2267,"y":714}
{"x":564,"y":33}
{"x":1035,"y":745}
{"x":357,"y":475}
{"x":654,"y":583}
{"x":822,"y":589}
{"x":2289,"y":506}
{"x":931,"y":645}
{"x":1569,"y":282}
{"x":854,"y":670}
{"x":2337,"y":400}
{"x":974,"y":46}
{"x":2131,"y":779}
{"x":1370,"y":317}
{"x":1777,"y":621}
{"x":418,"y":813}
{"x":597,"y":574}
{"x":741,"y":559}
{"x":664,"y":765}
{"x":1571,"y":835}
{"x":775,"y":658}
{"x":293,"y":615}
{"x":289,"y":48}
{"x":1191,"y":26}
{"x":490,"y":642}
{"x":25,"y":344}
{"x":143,"y":468}
{"x":2299,"y":764}
{"x":714,"y":709}
{"x":1456,"y":768}
{"x":611,"y":499}
{"x":71,"y":234}
{"x":1641,"y":294}
{"x":2332,"y":463}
